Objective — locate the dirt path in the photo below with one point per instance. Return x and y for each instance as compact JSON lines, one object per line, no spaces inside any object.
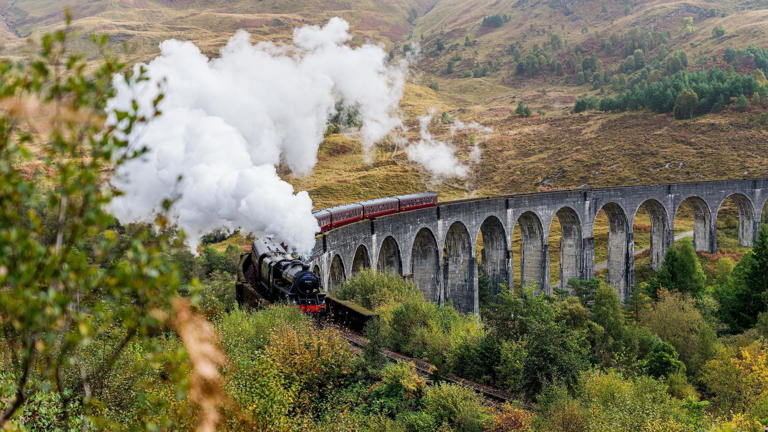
{"x":602,"y":266}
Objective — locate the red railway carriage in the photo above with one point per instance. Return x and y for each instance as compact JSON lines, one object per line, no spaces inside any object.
{"x":380,"y":207}
{"x":417,"y":201}
{"x":346,"y":214}
{"x":323,"y":219}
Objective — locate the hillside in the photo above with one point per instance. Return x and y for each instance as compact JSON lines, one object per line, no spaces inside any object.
{"x":478,"y":60}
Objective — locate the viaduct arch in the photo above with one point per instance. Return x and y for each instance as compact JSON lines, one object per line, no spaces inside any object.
{"x":435,"y":247}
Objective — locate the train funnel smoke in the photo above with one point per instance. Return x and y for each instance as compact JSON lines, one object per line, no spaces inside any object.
{"x":227,"y":123}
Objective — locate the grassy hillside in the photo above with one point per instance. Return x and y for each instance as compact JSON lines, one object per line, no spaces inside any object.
{"x":550,"y":149}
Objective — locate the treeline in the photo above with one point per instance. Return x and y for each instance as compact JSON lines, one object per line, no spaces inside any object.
{"x":687,"y":350}
{"x":691,"y":92}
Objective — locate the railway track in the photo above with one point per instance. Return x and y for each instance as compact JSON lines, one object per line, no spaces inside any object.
{"x":427,"y":370}
{"x":350,"y":319}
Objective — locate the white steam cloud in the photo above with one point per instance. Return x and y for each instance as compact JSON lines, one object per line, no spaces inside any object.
{"x":226,"y":124}
{"x":439,"y":157}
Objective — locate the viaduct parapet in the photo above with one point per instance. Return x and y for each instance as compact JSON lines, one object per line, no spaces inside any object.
{"x":436,"y":247}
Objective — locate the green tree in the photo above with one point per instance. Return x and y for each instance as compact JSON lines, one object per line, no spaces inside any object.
{"x":523,"y":110}
{"x":662,"y":360}
{"x":681,"y":271}
{"x":723,"y":269}
{"x":677,"y":321}
{"x":742,"y":104}
{"x":742,"y":298}
{"x":556,"y":42}
{"x":68,"y":281}
{"x":607,"y":311}
{"x":718,"y":32}
{"x":688,"y":25}
{"x":757,"y":272}
{"x":674,"y":65}
{"x":555,"y":354}
{"x":639,"y":59}
{"x":686,"y":104}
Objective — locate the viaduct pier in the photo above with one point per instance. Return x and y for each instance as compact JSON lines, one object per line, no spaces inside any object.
{"x":436,"y":246}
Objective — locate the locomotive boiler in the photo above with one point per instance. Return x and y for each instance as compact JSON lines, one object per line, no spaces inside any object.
{"x":270,"y":272}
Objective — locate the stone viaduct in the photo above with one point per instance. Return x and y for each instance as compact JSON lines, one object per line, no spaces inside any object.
{"x":436,"y":246}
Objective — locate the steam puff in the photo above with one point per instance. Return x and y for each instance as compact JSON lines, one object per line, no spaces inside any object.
{"x":439,"y":157}
{"x":227,"y":122}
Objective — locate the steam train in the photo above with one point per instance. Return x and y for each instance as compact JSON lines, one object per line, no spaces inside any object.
{"x":270,"y":273}
{"x":273,"y":274}
{"x":335,"y":217}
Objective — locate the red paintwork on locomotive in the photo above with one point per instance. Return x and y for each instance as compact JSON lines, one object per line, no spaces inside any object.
{"x":312,"y":308}
{"x":351,"y":213}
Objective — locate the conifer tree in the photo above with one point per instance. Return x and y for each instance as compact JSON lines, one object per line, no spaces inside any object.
{"x":681,"y":272}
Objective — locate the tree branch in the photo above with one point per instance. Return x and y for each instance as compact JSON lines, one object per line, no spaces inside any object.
{"x":20,"y":397}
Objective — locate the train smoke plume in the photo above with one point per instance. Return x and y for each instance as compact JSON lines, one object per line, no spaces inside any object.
{"x":227,"y":123}
{"x":439,"y":157}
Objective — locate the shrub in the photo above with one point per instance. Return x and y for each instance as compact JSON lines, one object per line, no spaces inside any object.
{"x":737,"y":379}
{"x":374,"y":290}
{"x":681,"y":271}
{"x":585,"y":104}
{"x":400,"y":389}
{"x":742,"y":104}
{"x":493,"y":21}
{"x":457,"y":407}
{"x":513,"y":419}
{"x":217,"y":294}
{"x":523,"y":110}
{"x":243,"y":333}
{"x":555,"y":354}
{"x":662,"y":360}
{"x":678,"y":322}
{"x":215,"y":261}
{"x":476,"y":357}
{"x":509,"y":371}
{"x":718,"y":32}
{"x":686,"y":104}
{"x":640,"y":404}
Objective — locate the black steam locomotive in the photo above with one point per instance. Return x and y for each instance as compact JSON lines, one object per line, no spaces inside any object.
{"x":269,"y":272}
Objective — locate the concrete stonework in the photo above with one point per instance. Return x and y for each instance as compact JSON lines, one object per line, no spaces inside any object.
{"x":436,"y":246}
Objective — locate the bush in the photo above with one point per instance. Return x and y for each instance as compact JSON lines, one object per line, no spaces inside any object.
{"x":217,"y":294}
{"x":215,"y":261}
{"x":400,"y":389}
{"x":374,"y":290}
{"x":686,"y":104}
{"x":493,"y":21}
{"x":742,"y":104}
{"x":513,"y":419}
{"x":555,"y":354}
{"x":735,"y":379}
{"x":585,"y":104}
{"x":523,"y":110}
{"x":718,"y":32}
{"x":662,"y":360}
{"x":476,"y":357}
{"x":243,"y":333}
{"x":640,"y":404}
{"x":457,"y":407}
{"x":678,"y":322}
{"x":681,"y":271}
